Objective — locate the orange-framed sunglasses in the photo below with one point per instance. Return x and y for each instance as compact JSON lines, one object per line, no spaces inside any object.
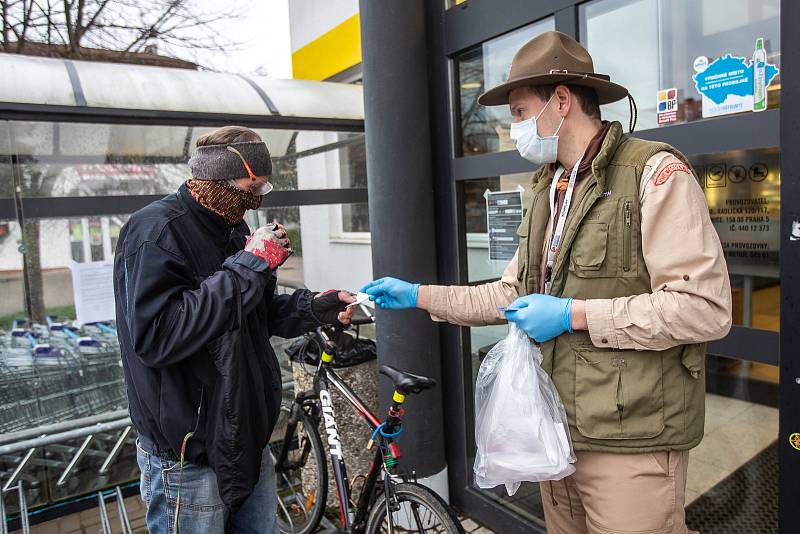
{"x":263,"y":189}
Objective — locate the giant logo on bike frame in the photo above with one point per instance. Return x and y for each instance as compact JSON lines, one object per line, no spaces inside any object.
{"x":330,"y":424}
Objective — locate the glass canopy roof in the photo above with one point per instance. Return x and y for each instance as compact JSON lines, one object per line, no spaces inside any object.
{"x":47,"y":81}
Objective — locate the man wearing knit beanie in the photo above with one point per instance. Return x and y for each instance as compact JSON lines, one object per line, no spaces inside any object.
{"x":196,"y":306}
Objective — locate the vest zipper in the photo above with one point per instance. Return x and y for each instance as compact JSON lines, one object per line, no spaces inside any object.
{"x":626,"y":244}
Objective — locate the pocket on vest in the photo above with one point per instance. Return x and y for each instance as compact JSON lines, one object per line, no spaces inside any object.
{"x":618,"y":394}
{"x":589,"y":249}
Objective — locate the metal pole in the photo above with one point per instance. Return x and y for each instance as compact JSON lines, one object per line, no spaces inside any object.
{"x":105,"y":524}
{"x":63,"y":436}
{"x":23,"y":509}
{"x":401,"y":210}
{"x":20,"y":467}
{"x":123,"y":513}
{"x":75,"y":459}
{"x":115,"y":450}
{"x":16,"y":173}
{"x":45,"y":430}
{"x":747,"y":304}
{"x":3,"y":524}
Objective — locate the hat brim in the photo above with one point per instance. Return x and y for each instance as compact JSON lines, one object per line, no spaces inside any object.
{"x":607,"y":91}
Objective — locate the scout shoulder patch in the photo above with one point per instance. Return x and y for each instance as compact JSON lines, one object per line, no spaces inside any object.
{"x":666,"y":172}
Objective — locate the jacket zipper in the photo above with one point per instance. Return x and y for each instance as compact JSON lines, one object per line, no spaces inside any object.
{"x":626,"y":244}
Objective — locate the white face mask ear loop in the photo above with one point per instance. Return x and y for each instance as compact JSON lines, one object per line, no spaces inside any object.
{"x":545,"y":106}
{"x":559,"y":126}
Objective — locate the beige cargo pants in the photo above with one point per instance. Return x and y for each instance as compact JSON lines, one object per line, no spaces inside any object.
{"x":619,"y":494}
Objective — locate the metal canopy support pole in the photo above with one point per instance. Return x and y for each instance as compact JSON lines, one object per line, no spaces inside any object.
{"x":401,"y":211}
{"x":789,"y":427}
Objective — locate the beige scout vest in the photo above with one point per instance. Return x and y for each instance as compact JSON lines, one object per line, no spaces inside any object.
{"x":616,"y":400}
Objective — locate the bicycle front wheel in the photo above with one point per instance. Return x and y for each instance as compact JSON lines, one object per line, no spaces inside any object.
{"x":417,"y":509}
{"x":301,"y":479}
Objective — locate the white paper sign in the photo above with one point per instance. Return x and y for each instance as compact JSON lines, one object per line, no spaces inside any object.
{"x":93,"y":287}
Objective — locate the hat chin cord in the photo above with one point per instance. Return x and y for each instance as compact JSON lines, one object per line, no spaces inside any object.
{"x":633,"y":113}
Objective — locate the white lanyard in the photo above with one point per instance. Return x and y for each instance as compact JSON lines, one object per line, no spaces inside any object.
{"x":558,"y":228}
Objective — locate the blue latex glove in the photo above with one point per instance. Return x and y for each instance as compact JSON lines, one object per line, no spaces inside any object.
{"x":542,"y":317}
{"x":391,"y":293}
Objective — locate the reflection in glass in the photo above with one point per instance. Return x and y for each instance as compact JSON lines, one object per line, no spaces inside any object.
{"x":11,"y":293}
{"x":76,"y":159}
{"x":325,"y":256}
{"x":479,"y":267}
{"x":650,"y":45}
{"x":743,"y":193}
{"x":486,"y":129}
{"x":50,"y":246}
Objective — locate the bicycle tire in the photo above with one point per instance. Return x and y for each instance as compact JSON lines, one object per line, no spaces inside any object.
{"x":290,"y":501}
{"x":440,"y":519}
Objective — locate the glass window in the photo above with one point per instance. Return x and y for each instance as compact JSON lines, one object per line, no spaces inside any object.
{"x":50,"y":246}
{"x":323,"y":258}
{"x":479,"y":266}
{"x":742,"y":189}
{"x":743,"y":194}
{"x":651,"y":45}
{"x":11,"y":287}
{"x":70,"y":159}
{"x":485,"y":129}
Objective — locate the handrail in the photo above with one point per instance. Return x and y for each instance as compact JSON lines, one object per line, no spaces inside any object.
{"x":53,"y":428}
{"x":60,"y":437}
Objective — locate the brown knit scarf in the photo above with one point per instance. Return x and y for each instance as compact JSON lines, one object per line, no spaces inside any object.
{"x":223,"y":199}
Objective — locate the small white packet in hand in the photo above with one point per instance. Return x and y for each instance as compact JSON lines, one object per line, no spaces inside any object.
{"x":361,"y":298}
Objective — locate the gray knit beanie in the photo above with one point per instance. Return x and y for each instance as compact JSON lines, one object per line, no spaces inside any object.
{"x":219,"y":162}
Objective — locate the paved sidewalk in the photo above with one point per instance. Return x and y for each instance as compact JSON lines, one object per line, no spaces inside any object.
{"x":471,"y":527}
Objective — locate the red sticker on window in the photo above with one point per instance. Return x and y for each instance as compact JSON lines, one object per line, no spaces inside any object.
{"x":667,"y":171}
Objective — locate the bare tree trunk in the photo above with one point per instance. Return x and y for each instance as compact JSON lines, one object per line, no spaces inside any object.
{"x":33,"y":267}
{"x":4,"y":5}
{"x":70,"y":29}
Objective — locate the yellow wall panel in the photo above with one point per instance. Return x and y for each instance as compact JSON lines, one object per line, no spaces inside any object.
{"x":331,"y":53}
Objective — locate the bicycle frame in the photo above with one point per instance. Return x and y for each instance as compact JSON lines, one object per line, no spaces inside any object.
{"x":324,"y":411}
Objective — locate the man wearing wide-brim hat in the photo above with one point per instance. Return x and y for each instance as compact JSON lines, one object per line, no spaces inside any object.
{"x":621,"y":279}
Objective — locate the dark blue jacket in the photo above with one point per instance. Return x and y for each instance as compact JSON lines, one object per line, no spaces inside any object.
{"x":194,"y":316}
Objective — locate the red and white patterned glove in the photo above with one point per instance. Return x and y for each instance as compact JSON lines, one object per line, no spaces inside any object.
{"x":271,"y":244}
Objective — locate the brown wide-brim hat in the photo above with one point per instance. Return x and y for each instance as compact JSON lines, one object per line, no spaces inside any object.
{"x":553,"y":58}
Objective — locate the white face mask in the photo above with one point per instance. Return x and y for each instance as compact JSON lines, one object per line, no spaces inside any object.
{"x":531,"y":145}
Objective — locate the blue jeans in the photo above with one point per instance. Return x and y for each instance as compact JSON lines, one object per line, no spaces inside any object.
{"x":202,"y":510}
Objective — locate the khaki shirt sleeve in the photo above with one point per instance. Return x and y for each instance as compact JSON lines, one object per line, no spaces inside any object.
{"x":474,"y":305}
{"x":690,"y":300}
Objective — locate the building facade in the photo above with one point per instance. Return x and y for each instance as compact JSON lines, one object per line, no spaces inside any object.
{"x":710,"y":78}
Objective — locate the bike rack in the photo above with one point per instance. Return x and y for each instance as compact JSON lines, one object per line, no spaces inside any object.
{"x":121,"y":511}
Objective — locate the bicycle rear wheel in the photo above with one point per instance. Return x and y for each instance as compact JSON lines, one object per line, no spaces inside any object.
{"x":418,"y":509}
{"x":301,"y":479}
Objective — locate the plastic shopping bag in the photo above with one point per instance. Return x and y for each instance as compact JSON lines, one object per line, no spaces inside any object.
{"x":521,"y":429}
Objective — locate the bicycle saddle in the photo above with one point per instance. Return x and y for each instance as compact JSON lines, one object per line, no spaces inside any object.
{"x":406,"y":383}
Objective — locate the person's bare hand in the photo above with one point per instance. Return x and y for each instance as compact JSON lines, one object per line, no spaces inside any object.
{"x":347,"y":315}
